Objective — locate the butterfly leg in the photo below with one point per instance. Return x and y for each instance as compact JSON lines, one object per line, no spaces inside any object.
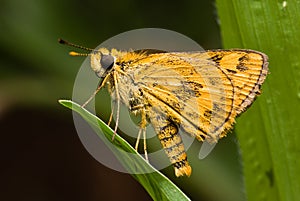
{"x":142,"y":129}
{"x":111,"y":116}
{"x":118,"y":105}
{"x":138,"y":139}
{"x":95,"y":92}
{"x":145,"y":145}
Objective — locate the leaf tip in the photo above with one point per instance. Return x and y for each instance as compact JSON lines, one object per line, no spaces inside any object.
{"x":64,"y":102}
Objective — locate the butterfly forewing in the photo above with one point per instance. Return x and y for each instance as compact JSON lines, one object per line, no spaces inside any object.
{"x":195,"y":90}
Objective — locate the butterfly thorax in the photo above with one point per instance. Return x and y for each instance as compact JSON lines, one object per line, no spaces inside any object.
{"x":117,"y":72}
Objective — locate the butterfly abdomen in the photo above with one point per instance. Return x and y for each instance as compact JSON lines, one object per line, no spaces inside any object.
{"x":174,"y":148}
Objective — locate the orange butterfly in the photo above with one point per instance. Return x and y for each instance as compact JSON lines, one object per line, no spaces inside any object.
{"x":199,"y":92}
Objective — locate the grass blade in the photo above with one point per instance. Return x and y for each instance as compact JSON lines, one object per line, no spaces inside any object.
{"x":269,"y":132}
{"x":157,"y":185}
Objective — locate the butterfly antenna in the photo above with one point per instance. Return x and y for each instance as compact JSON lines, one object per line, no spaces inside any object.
{"x":64,"y":42}
{"x":75,"y":54}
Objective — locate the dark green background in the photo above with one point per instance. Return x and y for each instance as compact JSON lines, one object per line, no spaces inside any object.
{"x":42,"y":157}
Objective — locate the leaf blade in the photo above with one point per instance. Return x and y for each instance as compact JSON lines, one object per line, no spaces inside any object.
{"x":270,"y":147}
{"x":157,"y":185}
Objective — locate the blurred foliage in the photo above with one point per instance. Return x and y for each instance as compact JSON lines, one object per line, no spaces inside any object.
{"x":35,"y":69}
{"x":269,"y":133}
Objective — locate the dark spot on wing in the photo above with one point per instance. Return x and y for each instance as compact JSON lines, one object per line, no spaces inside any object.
{"x":193,"y":88}
{"x":217,"y":58}
{"x":207,"y":114}
{"x":216,"y":107}
{"x":243,"y":58}
{"x":231,"y":71}
{"x":242,"y":63}
{"x":241,"y":67}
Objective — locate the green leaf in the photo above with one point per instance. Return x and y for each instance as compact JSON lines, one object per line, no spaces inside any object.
{"x":157,"y":185}
{"x":269,"y":132}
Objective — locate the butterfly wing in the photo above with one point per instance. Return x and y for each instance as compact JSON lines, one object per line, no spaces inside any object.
{"x":201,"y":91}
{"x":247,"y":70}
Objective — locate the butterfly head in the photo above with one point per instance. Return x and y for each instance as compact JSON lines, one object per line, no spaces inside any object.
{"x":102,"y":61}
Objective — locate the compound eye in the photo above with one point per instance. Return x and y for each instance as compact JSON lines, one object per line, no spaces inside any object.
{"x":107,"y":62}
